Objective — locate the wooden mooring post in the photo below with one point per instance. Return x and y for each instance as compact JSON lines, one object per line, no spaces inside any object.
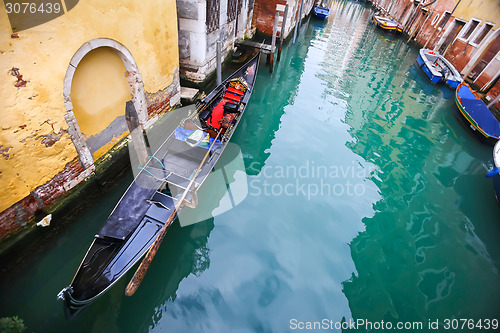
{"x":273,"y":42}
{"x":136,"y":133}
{"x":282,"y":33}
{"x":219,"y":62}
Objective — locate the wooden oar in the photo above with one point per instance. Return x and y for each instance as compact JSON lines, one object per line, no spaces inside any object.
{"x":144,"y":266}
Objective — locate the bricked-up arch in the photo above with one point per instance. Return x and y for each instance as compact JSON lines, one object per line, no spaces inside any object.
{"x":136,"y":89}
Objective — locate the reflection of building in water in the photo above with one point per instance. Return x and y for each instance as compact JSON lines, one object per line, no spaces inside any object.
{"x":414,"y":260}
{"x":263,"y":116}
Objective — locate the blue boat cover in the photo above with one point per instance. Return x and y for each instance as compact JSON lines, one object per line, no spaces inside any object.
{"x":478,"y":111}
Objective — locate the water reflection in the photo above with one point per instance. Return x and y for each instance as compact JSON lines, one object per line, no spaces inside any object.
{"x":415,"y":259}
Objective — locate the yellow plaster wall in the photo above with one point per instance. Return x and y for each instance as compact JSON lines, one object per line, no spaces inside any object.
{"x":30,"y":115}
{"x":99,"y":90}
{"x":485,"y":10}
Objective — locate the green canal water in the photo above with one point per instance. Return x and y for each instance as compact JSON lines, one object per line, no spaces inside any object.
{"x":366,"y":200}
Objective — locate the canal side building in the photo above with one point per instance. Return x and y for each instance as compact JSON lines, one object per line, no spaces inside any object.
{"x":465,"y":32}
{"x":265,"y":10}
{"x":65,"y":85}
{"x":204,"y":22}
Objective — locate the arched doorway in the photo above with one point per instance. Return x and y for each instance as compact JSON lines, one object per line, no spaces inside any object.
{"x":90,"y":150}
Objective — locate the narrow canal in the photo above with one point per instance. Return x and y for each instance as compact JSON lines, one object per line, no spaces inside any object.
{"x":367,"y":199}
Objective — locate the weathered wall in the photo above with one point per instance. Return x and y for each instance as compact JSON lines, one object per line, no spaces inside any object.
{"x":198,"y":44}
{"x":35,"y":147}
{"x":265,"y":10}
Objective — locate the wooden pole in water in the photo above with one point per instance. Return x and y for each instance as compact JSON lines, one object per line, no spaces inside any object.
{"x":282,"y":33}
{"x":139,"y":274}
{"x":136,"y":133}
{"x":300,"y":14}
{"x":296,"y":25}
{"x":273,"y":42}
{"x":219,"y":62}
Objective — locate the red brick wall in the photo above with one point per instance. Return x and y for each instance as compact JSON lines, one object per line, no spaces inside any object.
{"x":459,"y":54}
{"x":32,"y":206}
{"x":263,"y":15}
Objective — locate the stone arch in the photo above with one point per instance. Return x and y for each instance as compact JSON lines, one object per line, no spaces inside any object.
{"x":136,"y":89}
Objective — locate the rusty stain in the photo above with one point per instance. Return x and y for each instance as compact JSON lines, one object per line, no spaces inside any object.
{"x":5,"y":151}
{"x":50,"y":139}
{"x":20,"y":82}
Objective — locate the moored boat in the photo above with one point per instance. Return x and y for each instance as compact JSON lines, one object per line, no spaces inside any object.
{"x":438,"y":69}
{"x":477,"y":114}
{"x":387,"y":23}
{"x":151,"y":202}
{"x":495,"y":173}
{"x":321,"y":12}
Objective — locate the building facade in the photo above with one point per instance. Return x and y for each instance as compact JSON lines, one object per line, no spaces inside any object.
{"x":466,"y":32}
{"x":265,"y":10}
{"x":204,"y":22}
{"x":66,"y":83}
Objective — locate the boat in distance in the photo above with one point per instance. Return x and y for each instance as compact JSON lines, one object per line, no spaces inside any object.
{"x":476,"y":114}
{"x":438,"y":69}
{"x":190,"y":151}
{"x":321,"y":12}
{"x":387,"y":23}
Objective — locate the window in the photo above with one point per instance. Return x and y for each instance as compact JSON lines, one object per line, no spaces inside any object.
{"x":213,"y":15}
{"x":233,"y":9}
{"x":469,"y":29}
{"x":482,"y":33}
{"x":435,"y":19}
{"x":444,"y":19}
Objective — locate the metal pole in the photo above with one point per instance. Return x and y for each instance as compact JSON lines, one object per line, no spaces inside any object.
{"x":273,"y":42}
{"x":493,"y":101}
{"x":282,"y":33}
{"x":219,"y":63}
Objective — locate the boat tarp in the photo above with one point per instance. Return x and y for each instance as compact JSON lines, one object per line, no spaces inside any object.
{"x":129,"y":212}
{"x":478,"y":111}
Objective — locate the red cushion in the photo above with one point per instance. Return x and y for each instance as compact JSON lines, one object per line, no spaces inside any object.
{"x":232,"y":97}
{"x":217,"y":113}
{"x":235,"y":91}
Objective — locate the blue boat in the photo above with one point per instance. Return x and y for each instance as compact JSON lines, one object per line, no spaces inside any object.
{"x":477,"y":114}
{"x":321,"y":12}
{"x":495,"y":173}
{"x":438,"y":69}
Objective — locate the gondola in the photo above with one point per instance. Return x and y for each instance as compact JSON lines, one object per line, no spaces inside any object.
{"x":438,"y":69}
{"x":149,"y":202}
{"x":387,"y":24}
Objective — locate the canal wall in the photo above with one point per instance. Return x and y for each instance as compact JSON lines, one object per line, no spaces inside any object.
{"x":465,"y":32}
{"x":64,"y":91}
{"x":201,"y":24}
{"x":265,"y":10}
